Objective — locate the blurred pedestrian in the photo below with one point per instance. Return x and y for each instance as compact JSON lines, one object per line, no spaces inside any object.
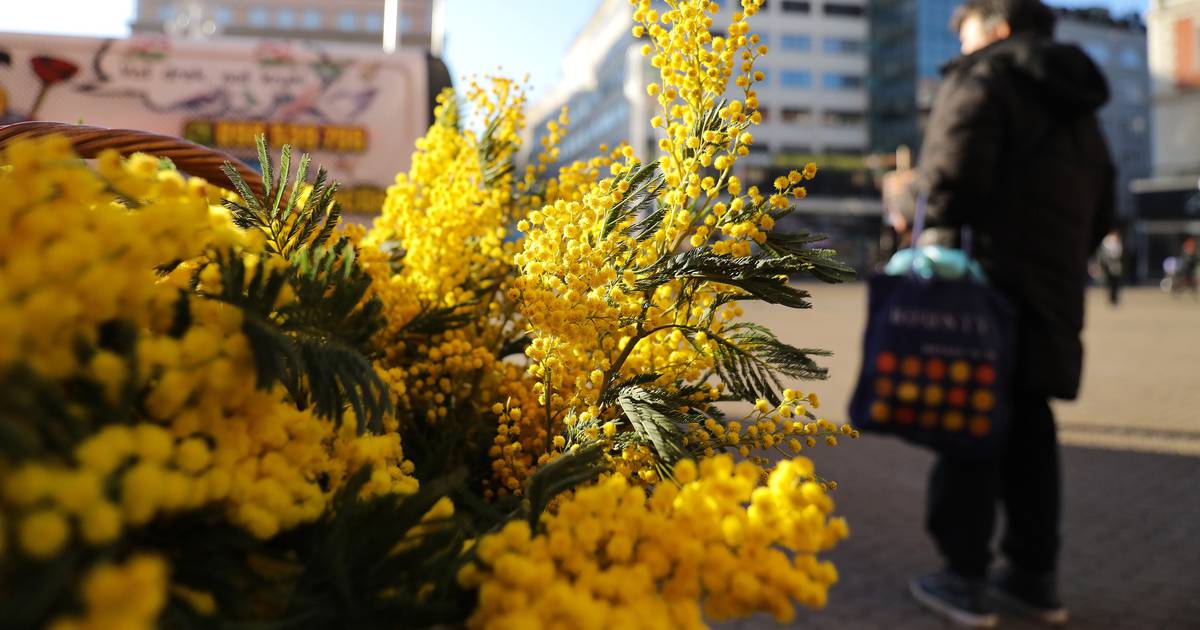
{"x":1014,"y":151}
{"x":1111,"y":258}
{"x":1185,"y":269}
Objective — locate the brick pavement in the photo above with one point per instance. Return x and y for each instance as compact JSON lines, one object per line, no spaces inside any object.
{"x":1131,"y":556}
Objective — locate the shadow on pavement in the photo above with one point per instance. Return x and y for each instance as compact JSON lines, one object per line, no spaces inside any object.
{"x":1131,"y":526}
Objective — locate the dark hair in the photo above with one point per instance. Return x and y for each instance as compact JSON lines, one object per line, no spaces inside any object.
{"x":1023,"y":16}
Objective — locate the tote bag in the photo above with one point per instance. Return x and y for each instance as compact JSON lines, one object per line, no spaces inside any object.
{"x":938,"y":357}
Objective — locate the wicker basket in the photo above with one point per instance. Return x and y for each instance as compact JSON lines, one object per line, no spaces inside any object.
{"x":89,"y":142}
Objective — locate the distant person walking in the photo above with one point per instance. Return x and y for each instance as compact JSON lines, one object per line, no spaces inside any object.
{"x":1014,"y":151}
{"x":1112,"y":254}
{"x":1185,"y":270}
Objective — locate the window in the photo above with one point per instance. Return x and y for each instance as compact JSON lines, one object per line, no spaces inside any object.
{"x":259,"y":17}
{"x":843,"y":45}
{"x":843,"y":10}
{"x":836,"y":81}
{"x":797,"y":149}
{"x":765,"y":113}
{"x":1134,"y":93}
{"x":223,"y":16}
{"x":347,"y":21}
{"x":166,"y":13}
{"x":1097,"y":51}
{"x":842,"y":118}
{"x":1131,"y":59}
{"x":286,"y":19}
{"x":796,"y":115}
{"x":405,"y":23}
{"x":799,"y":43}
{"x":795,"y":6}
{"x":373,"y":22}
{"x":312,"y":19}
{"x":796,"y":78}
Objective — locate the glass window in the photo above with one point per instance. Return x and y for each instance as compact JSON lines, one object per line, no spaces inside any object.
{"x":167,"y":13}
{"x":1097,"y":51}
{"x":796,"y":115}
{"x":796,"y":78}
{"x":842,"y":118}
{"x":843,"y":10}
{"x":838,"y":81}
{"x":796,"y":6}
{"x":259,"y":17}
{"x":800,"y":43}
{"x":1131,"y":59}
{"x":312,"y":19}
{"x":286,"y":18}
{"x":765,"y":113}
{"x":843,"y":45}
{"x":347,"y":21}
{"x":373,"y":22}
{"x":405,"y":23}
{"x":223,"y":16}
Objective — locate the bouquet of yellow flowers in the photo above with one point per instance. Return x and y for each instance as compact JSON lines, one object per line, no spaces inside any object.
{"x":498,"y":407}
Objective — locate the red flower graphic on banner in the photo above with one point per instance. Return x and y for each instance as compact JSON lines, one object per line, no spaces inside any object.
{"x":51,"y":71}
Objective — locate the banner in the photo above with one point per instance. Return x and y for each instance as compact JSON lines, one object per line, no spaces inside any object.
{"x":358,"y":111}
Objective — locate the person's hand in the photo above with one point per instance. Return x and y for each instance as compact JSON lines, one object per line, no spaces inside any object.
{"x":897,"y":196}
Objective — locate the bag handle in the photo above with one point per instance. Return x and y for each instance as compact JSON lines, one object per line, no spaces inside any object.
{"x":966,"y":234}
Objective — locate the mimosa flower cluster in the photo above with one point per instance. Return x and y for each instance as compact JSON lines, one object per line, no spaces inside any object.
{"x":507,"y":404}
{"x":717,"y":543}
{"x":156,"y":418}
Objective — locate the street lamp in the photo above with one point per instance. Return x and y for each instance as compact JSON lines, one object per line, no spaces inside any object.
{"x":391,"y":24}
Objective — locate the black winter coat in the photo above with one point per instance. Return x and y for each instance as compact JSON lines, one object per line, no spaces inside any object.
{"x":1014,"y":150}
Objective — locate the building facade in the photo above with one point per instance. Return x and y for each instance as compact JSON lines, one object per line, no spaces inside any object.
{"x":1168,"y":204}
{"x":1174,"y":43}
{"x":1118,"y":46}
{"x":813,"y":101}
{"x":909,"y":42}
{"x":347,"y":21}
{"x":813,"y":98}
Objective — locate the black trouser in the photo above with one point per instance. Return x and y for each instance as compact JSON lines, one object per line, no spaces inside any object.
{"x":1114,"y":287}
{"x":1024,"y":479}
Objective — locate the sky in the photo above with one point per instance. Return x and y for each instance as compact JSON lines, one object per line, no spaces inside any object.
{"x":516,"y":36}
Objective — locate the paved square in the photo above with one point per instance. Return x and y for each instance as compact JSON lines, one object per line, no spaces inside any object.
{"x":1131,"y":461}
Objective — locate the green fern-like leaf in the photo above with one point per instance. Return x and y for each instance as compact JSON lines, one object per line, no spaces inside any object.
{"x":758,"y":276}
{"x":289,"y":225}
{"x":645,"y":182}
{"x":656,"y":416}
{"x":564,"y":473}
{"x":751,"y":360}
{"x":318,"y":344}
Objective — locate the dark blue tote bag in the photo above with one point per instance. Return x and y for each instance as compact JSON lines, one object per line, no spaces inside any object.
{"x":938,"y":357}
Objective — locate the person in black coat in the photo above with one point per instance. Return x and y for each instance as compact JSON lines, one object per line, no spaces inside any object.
{"x":1013,"y":150}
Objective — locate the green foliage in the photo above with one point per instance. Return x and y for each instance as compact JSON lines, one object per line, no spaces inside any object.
{"x":757,"y":275}
{"x":495,"y":155}
{"x":573,"y":468}
{"x":751,"y":360}
{"x":315,"y":344}
{"x":292,"y":224}
{"x":645,"y":182}
{"x":657,"y":418}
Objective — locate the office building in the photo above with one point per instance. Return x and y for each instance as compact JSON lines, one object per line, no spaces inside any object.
{"x":813,"y":102}
{"x":346,"y":21}
{"x":1174,"y":44}
{"x":813,"y":97}
{"x":1118,"y":46}
{"x":909,"y":42}
{"x":1168,"y":204}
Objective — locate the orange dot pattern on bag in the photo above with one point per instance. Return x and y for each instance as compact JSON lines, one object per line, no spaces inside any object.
{"x":954,"y":396}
